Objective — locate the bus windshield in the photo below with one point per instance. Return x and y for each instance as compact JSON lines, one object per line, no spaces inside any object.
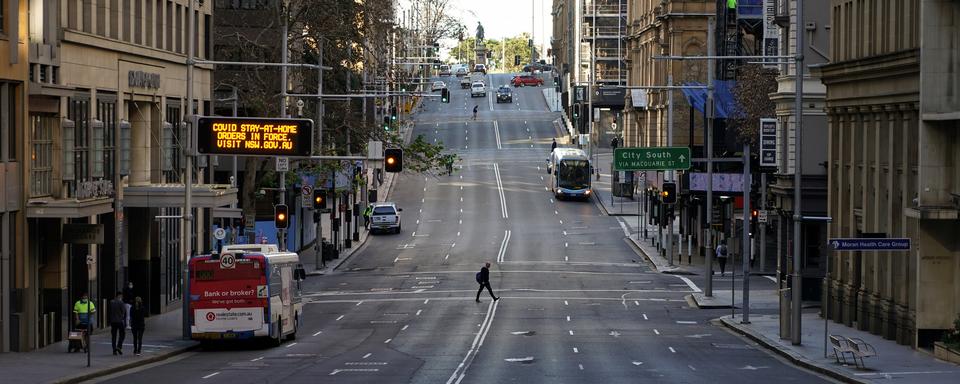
{"x":574,"y":174}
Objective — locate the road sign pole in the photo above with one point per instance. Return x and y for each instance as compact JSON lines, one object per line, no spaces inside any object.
{"x":762,"y":227}
{"x":670,"y":174}
{"x":711,"y":65}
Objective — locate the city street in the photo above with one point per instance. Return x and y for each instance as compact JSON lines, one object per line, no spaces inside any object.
{"x":578,"y":304}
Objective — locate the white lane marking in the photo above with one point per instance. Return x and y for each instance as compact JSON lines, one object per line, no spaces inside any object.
{"x":637,"y":363}
{"x":571,"y":332}
{"x":367,"y":355}
{"x":503,"y":199}
{"x":405,"y":327}
{"x":496,"y":132}
{"x":359,"y":302}
{"x":211,"y":375}
{"x":551,"y":199}
{"x":503,"y":246}
{"x":446,"y":257}
{"x":318,"y":333}
{"x":564,"y":233}
{"x":387,"y":341}
{"x":561,"y":222}
{"x":771,"y":278}
{"x":339,"y":318}
{"x":519,"y":359}
{"x":257,"y":359}
{"x":656,"y":331}
{"x":686,"y":322}
{"x":426,"y":301}
{"x":566,"y":258}
{"x":575,"y":350}
{"x":566,"y":245}
{"x":418,"y":312}
{"x":636,"y":302}
{"x":672,"y":350}
{"x":458,"y":234}
{"x":689,"y":283}
{"x":568,"y":318}
{"x":556,"y":212}
{"x":581,"y":366}
{"x":691,"y":367}
{"x":460,"y":372}
{"x":565,"y":303}
{"x":291,"y":344}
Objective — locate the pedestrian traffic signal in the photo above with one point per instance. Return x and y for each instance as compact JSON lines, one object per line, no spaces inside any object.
{"x":393,"y":160}
{"x":444,"y":95}
{"x":319,"y":199}
{"x":280,"y":216}
{"x":669,"y":193}
{"x":516,"y":60}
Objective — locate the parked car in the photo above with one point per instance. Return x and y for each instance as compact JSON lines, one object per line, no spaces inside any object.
{"x":504,"y":94}
{"x":480,"y":68}
{"x":384,"y":217}
{"x":478,"y":90}
{"x":444,"y":70}
{"x":438,"y":85}
{"x":524,"y":80}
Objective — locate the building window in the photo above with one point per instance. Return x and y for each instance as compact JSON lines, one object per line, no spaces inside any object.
{"x":78,"y":110}
{"x":106,"y":148}
{"x":3,"y":23}
{"x":8,"y":119}
{"x":171,"y":142}
{"x":41,"y":159}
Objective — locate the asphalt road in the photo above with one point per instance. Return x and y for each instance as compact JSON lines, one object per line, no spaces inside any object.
{"x":578,"y":305}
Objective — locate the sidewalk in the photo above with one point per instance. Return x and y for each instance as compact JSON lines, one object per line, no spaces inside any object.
{"x":52,"y":364}
{"x":894,"y":363}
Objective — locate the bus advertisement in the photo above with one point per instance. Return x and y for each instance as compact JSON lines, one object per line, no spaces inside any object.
{"x":239,"y":295}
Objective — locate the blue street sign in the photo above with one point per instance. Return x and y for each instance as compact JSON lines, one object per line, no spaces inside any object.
{"x":868,"y":244}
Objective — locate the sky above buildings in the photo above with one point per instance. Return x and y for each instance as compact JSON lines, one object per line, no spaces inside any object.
{"x":503,"y":18}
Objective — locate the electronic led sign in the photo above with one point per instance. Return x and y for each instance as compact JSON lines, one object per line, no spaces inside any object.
{"x":248,"y":136}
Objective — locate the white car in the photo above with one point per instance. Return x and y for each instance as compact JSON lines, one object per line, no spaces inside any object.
{"x":438,"y":85}
{"x":385,"y":217}
{"x":478,"y":90}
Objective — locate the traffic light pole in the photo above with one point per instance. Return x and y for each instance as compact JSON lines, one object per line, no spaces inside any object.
{"x":671,"y":175}
{"x":745,"y":252}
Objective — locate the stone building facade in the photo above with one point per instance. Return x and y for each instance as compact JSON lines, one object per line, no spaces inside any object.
{"x":894,"y":165}
{"x":107,"y":122}
{"x":15,"y":277}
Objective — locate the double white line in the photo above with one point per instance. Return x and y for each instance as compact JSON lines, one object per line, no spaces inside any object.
{"x":503,"y":246}
{"x":461,"y":371}
{"x":503,"y":200}
{"x":496,"y":131}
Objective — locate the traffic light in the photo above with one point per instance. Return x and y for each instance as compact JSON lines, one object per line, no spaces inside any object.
{"x":754,"y":218}
{"x":516,"y":60}
{"x":444,"y":95}
{"x":576,"y":111}
{"x":393,"y":113}
{"x":386,"y":123}
{"x":669,"y":193}
{"x":393,"y":160}
{"x":319,"y":199}
{"x":280,"y":216}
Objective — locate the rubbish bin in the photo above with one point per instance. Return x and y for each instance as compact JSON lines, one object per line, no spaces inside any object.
{"x":329,"y":251}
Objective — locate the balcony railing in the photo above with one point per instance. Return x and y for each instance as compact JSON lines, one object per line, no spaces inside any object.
{"x":604,"y":8}
{"x":603,"y":32}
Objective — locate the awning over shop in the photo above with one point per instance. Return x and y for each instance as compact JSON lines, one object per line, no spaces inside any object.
{"x":725,"y":103}
{"x":68,"y":208}
{"x":171,"y":195}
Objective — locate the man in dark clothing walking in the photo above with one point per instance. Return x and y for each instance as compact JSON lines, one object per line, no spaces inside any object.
{"x":118,"y":323}
{"x":483,"y":277}
{"x":553,"y":146}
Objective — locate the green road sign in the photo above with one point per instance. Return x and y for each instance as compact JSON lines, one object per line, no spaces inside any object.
{"x":651,"y":159}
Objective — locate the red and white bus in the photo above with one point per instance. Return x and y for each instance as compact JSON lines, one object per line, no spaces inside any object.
{"x":244,"y":294}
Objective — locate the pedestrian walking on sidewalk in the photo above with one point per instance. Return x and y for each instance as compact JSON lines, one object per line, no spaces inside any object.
{"x":483,"y":278}
{"x":128,"y":299}
{"x":138,"y":322}
{"x":722,"y":256}
{"x":553,"y":146}
{"x":118,"y":323}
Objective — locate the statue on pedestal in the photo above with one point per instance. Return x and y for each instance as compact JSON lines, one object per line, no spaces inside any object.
{"x":479,"y":34}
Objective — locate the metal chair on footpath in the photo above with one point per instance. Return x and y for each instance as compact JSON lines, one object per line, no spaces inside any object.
{"x":860,"y":349}
{"x":841,"y":347}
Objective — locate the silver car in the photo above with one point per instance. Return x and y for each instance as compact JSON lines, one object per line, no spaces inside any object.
{"x":385,"y":217}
